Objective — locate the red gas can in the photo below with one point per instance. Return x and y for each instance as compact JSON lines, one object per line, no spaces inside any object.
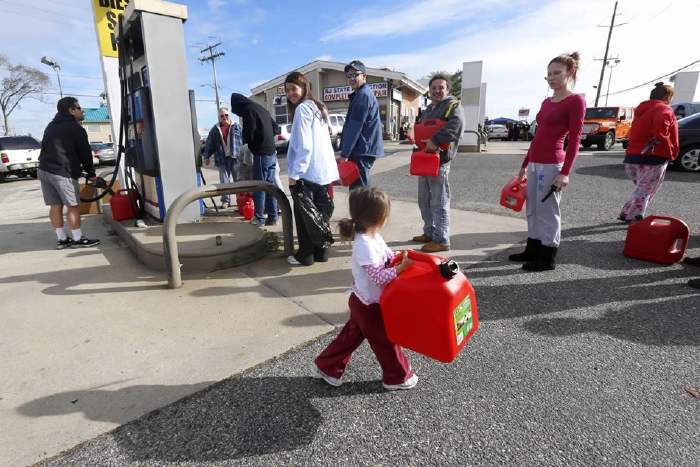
{"x":425,"y":164}
{"x":122,"y":204}
{"x":248,"y":209}
{"x":514,"y":194}
{"x":657,"y":239}
{"x":241,"y":199}
{"x":426,"y":130}
{"x":349,"y":172}
{"x":430,"y":308}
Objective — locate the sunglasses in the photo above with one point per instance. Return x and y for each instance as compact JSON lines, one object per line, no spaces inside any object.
{"x":223,"y":116}
{"x":77,"y":107}
{"x":352,"y":75}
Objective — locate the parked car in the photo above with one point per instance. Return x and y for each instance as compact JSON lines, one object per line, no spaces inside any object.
{"x":497,"y":131}
{"x":689,"y":141}
{"x":19,"y":155}
{"x":685,"y":109}
{"x":104,"y":153}
{"x":533,"y":129}
{"x":282,"y":139}
{"x":604,"y":126}
{"x":337,"y":121}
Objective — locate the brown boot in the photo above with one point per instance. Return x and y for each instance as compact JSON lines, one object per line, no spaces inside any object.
{"x":422,"y":238}
{"x":433,"y":247}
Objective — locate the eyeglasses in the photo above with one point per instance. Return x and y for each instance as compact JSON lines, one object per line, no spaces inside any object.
{"x":77,"y":107}
{"x":223,"y":116}
{"x":352,"y":75}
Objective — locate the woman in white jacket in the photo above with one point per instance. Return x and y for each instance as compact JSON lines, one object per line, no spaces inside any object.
{"x":311,"y":166}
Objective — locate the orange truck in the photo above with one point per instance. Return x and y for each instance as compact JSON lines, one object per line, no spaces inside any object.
{"x":604,"y":126}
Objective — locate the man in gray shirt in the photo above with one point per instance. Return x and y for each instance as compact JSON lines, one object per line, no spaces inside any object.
{"x":434,"y":192}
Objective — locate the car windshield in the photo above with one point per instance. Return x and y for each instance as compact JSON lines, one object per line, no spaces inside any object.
{"x":690,"y":122}
{"x":601,"y":112}
{"x":334,"y":120}
{"x":19,"y":142}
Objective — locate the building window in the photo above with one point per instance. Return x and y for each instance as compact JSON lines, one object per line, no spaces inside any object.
{"x":92,"y":127}
{"x":281,"y":116}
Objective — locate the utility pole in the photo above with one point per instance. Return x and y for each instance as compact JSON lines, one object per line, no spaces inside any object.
{"x":607,"y":49}
{"x":212,"y":58}
{"x":612,"y":63}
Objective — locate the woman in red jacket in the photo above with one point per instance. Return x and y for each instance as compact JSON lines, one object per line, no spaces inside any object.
{"x":653,"y":142}
{"x":548,"y":165}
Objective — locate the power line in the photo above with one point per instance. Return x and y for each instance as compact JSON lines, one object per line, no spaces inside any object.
{"x":655,"y":79}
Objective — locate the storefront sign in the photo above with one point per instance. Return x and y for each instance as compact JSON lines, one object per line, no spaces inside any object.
{"x":341,"y":93}
{"x":523,"y":112}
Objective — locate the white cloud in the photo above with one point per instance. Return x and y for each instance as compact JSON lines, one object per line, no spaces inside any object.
{"x":412,"y":17}
{"x":516,"y":53}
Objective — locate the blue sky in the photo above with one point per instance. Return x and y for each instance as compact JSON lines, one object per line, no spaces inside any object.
{"x":263,"y":39}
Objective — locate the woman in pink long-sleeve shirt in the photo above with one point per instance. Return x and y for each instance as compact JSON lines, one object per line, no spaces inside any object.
{"x":547,"y":164}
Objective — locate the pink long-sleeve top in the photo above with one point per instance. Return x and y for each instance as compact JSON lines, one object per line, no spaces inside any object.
{"x":555,"y":121}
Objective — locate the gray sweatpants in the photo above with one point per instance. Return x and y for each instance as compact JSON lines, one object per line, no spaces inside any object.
{"x":543,"y":219}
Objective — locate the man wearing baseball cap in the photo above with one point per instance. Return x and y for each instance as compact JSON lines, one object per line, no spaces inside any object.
{"x":361,"y":141}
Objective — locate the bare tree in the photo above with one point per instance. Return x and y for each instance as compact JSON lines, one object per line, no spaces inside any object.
{"x":18,"y":82}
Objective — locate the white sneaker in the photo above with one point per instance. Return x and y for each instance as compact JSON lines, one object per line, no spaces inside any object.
{"x":335,"y":382}
{"x":408,"y":384}
{"x":293,"y":261}
{"x":255,"y":221}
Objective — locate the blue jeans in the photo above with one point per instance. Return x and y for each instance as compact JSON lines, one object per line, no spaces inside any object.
{"x":434,"y":204}
{"x":364,"y":163}
{"x":228,"y":173}
{"x":264,"y":168}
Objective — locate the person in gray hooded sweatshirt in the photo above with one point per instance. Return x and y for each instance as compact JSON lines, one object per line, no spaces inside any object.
{"x":434,"y":192}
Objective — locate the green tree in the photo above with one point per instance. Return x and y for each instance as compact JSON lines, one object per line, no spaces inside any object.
{"x":18,"y":82}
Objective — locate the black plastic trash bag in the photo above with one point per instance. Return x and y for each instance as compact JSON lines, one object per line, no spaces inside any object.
{"x":316,"y":221}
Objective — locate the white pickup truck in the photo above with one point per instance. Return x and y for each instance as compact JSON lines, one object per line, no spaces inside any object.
{"x":19,"y":155}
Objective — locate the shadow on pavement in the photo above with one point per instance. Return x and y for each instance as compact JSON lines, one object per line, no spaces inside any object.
{"x":617,"y":171}
{"x":646,"y":323}
{"x":118,"y":406}
{"x":239,"y":418}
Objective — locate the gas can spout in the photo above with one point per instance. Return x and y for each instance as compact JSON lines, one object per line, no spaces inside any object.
{"x":449,"y":269}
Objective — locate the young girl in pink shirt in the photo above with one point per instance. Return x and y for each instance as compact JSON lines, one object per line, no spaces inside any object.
{"x":548,"y":165}
{"x":371,"y":272}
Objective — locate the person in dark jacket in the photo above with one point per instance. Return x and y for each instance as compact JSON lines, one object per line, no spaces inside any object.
{"x":259,"y":135}
{"x":361,"y":141}
{"x":224,"y":142}
{"x":653,"y":142}
{"x":65,"y":153}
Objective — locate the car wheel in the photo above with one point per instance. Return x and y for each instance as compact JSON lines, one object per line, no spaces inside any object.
{"x":689,"y":159}
{"x":625,"y":144}
{"x":34,"y":174}
{"x":608,"y":141}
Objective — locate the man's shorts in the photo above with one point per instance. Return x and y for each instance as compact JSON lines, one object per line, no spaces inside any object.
{"x":58,"y":189}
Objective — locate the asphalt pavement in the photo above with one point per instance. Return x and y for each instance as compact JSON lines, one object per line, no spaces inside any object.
{"x":585,"y":365}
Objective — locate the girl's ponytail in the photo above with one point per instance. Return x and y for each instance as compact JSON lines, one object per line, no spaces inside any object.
{"x":347,"y":229}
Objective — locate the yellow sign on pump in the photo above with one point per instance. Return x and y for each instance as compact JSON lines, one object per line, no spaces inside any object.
{"x":107,"y":13}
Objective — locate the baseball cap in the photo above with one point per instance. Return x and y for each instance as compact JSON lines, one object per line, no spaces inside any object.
{"x":357,"y":65}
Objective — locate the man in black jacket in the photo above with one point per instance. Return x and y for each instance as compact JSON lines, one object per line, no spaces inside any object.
{"x":65,"y":152}
{"x":259,"y":135}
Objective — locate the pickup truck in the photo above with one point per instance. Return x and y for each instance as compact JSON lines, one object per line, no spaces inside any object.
{"x":19,"y":155}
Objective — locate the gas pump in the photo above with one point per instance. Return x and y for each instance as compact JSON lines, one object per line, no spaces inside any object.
{"x":159,"y":148}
